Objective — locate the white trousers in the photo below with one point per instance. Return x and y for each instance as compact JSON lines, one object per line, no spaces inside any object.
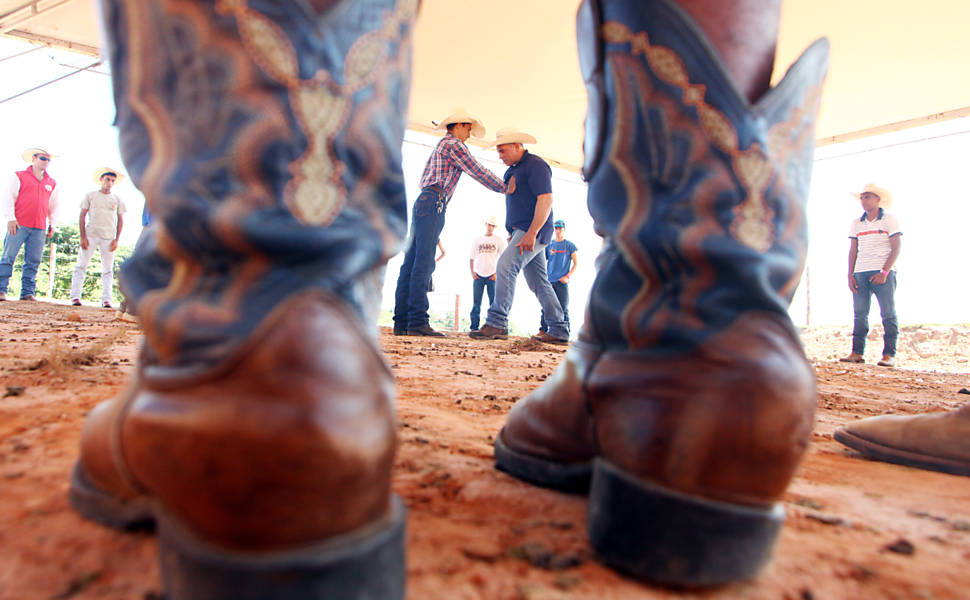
{"x":107,"y":268}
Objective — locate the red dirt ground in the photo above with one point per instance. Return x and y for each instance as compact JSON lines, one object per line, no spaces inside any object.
{"x":474,"y":532}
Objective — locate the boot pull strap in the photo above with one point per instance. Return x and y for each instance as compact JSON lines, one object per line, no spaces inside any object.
{"x":589,"y":21}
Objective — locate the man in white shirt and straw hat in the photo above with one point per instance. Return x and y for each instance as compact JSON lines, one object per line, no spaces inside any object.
{"x":28,"y":209}
{"x":528,"y":219}
{"x":483,"y":261}
{"x":448,"y":161}
{"x":875,"y":240}
{"x":101,"y":223}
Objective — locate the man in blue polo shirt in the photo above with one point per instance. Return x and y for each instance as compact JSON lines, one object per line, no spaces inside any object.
{"x":528,"y":219}
{"x":560,"y":264}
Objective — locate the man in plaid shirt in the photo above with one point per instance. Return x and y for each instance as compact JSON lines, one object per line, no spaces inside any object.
{"x":449,"y":160}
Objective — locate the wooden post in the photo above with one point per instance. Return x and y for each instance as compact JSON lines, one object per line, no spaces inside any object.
{"x":457,"y":314}
{"x":52,"y":270}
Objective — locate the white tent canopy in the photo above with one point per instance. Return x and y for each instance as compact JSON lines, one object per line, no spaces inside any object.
{"x":514,"y":63}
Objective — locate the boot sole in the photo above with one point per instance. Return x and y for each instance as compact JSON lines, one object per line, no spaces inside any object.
{"x":365,"y":564}
{"x":665,"y":536}
{"x":889,"y":454}
{"x":570,"y":478}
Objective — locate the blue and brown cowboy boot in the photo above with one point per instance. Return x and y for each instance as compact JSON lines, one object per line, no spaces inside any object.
{"x":259,"y":431}
{"x":686,"y":404}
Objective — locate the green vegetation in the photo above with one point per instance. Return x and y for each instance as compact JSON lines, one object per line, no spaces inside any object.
{"x":445,"y":322}
{"x":68,"y":241}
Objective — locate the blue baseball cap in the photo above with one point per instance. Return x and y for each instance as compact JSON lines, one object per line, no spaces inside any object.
{"x":559,"y":223}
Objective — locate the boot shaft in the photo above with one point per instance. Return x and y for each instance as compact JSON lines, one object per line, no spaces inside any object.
{"x":266,"y":137}
{"x":699,"y":194}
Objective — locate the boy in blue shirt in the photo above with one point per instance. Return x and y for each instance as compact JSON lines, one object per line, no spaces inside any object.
{"x":560,"y":264}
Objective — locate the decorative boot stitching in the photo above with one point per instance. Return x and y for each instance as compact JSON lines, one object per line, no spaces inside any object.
{"x":753,"y":224}
{"x":228,"y":81}
{"x":316,"y":194}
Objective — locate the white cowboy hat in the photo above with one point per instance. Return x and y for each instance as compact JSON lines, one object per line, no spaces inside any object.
{"x":460,"y":115}
{"x":492,"y":220}
{"x":100,"y":171}
{"x":885,"y":198}
{"x":28,"y":154}
{"x":510,"y":135}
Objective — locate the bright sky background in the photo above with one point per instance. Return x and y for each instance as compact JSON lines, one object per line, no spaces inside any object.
{"x":925,"y":169}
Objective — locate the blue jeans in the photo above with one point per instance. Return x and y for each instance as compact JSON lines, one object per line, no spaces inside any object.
{"x":562,"y":293}
{"x":861,"y":301}
{"x":533,"y":265}
{"x":479,"y":285}
{"x":32,"y":239}
{"x":411,"y":295}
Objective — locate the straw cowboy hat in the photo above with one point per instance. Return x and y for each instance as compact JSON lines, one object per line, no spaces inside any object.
{"x":100,"y":171}
{"x":460,"y":115}
{"x":492,"y":220}
{"x":511,"y":135}
{"x":28,"y":154}
{"x":885,"y":198}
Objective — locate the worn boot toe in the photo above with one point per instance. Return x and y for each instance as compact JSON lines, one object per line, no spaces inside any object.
{"x":936,"y":442}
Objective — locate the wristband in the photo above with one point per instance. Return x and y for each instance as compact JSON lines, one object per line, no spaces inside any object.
{"x":884,"y":272}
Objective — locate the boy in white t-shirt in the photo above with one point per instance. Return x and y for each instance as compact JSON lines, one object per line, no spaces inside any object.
{"x":100,"y":224}
{"x":873,"y":250}
{"x":484,"y":258}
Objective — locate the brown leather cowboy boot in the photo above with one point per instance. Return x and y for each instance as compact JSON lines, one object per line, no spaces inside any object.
{"x":686,"y":404}
{"x":937,"y":442}
{"x":258,"y":432}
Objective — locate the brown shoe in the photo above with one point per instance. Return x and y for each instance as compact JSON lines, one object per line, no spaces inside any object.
{"x":489,"y":332}
{"x":29,"y":299}
{"x":936,"y":442}
{"x":282,"y":458}
{"x":887,"y":361}
{"x":853,"y":358}
{"x":424,"y":330}
{"x":547,"y":338}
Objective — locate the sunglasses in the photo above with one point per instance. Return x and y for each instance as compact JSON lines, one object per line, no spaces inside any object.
{"x":43,"y":158}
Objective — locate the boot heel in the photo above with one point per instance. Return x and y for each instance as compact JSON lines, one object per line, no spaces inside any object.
{"x":664,"y":536}
{"x":362,"y":565}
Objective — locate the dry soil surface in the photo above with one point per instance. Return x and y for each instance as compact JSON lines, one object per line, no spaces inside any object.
{"x":855,"y":528}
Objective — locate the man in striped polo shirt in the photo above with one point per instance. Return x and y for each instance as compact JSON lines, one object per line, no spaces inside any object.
{"x":873,"y":249}
{"x":449,"y":160}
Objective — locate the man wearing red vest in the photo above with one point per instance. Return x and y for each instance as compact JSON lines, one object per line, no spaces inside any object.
{"x":28,"y":210}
